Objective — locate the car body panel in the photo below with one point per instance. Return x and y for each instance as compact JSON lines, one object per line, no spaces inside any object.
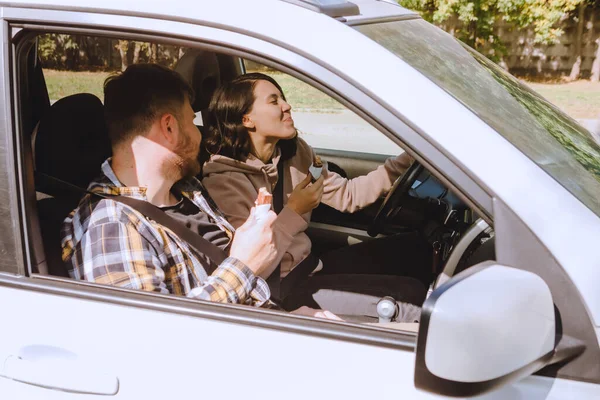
{"x":178,"y":363}
{"x":152,"y":360}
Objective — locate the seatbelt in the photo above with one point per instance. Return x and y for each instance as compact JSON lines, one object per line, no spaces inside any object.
{"x":280,"y":288}
{"x":149,"y":210}
{"x":194,"y":240}
{"x":274,"y":280}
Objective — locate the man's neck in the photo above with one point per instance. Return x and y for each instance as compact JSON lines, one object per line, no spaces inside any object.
{"x":133,"y":172}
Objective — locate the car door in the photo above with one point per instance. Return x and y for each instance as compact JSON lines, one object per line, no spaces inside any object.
{"x":62,"y":339}
{"x":65,"y":341}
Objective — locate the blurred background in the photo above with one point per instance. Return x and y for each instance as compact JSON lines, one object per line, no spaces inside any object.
{"x":551,"y":45}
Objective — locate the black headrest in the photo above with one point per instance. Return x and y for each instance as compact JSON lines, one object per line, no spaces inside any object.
{"x":72,"y":140}
{"x":201,"y":70}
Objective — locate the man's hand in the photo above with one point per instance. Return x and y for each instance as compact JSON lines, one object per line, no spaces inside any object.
{"x":305,"y":196}
{"x":253,"y":243}
{"x":311,"y":312}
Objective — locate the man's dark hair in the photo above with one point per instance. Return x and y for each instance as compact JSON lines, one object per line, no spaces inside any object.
{"x":226,"y":134}
{"x":135,"y":98}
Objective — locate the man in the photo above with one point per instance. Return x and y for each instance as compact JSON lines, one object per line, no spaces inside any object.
{"x":155,"y":146}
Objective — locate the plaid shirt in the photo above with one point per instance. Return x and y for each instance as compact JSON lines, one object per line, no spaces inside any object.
{"x":110,"y":243}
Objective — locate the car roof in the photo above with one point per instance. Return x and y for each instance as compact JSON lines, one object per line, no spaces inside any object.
{"x":368,"y":10}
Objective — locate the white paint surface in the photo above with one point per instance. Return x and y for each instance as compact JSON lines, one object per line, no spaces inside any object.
{"x":490,"y":324}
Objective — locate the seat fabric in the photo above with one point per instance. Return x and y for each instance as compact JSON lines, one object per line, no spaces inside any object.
{"x":70,"y":144}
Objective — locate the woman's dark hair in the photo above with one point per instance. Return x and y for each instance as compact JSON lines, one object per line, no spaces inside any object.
{"x":226,"y":134}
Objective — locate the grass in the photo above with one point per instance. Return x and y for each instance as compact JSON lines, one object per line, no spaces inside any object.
{"x":65,"y":83}
{"x":298,"y":93}
{"x":303,"y":96}
{"x":579,"y":99}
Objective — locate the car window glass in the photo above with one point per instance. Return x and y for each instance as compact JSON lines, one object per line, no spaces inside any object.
{"x":325,"y":123}
{"x":555,"y":142}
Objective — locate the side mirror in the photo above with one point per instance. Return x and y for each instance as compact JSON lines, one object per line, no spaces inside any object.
{"x":485,"y":327}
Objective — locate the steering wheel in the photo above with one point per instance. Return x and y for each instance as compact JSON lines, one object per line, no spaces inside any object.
{"x":395,"y":197}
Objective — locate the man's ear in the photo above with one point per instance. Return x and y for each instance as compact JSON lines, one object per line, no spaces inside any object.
{"x":247,"y":122}
{"x":169,"y":128}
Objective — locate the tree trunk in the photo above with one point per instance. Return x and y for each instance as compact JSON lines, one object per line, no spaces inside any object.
{"x":576,"y":69}
{"x":84,"y":51}
{"x":473,"y":34}
{"x":136,"y":52}
{"x":153,"y":52}
{"x":123,"y":47}
{"x":109,"y":53}
{"x":596,"y":65}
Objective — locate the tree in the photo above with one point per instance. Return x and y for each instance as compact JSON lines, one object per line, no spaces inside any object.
{"x":595,"y":76}
{"x":74,"y":52}
{"x":153,"y":52}
{"x":136,"y":52}
{"x":479,"y":18}
{"x":576,"y":69}
{"x":60,"y":51}
{"x":123,"y":46}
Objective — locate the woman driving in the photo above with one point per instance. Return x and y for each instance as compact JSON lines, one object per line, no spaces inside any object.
{"x":253,"y":143}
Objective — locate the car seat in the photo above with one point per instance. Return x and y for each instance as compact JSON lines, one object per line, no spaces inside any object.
{"x":201,"y":70}
{"x":205,"y":71}
{"x":70,"y":144}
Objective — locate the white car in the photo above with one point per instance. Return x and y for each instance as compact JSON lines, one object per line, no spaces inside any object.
{"x":513,"y":183}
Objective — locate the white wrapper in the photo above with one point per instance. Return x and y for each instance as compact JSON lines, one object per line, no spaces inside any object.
{"x":316,"y":171}
{"x":261,"y":211}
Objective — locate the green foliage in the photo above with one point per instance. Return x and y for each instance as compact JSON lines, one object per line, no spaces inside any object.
{"x":57,"y":49}
{"x":69,"y":52}
{"x":479,"y":18}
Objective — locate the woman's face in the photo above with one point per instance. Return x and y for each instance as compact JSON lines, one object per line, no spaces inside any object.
{"x":271,"y":116}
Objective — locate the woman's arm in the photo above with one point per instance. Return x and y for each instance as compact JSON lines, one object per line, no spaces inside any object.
{"x":350,"y":195}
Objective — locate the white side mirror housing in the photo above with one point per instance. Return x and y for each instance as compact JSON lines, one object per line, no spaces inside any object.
{"x":485,"y":327}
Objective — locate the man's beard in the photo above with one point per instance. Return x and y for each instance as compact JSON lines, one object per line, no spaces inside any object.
{"x":184,"y":163}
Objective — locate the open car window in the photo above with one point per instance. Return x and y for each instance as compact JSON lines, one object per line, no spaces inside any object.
{"x":74,"y":69}
{"x":75,"y":64}
{"x":325,"y":123}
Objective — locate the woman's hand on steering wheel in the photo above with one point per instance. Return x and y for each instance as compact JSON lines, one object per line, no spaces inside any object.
{"x":395,"y":197}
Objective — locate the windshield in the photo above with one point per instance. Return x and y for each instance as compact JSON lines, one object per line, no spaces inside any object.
{"x":547,"y":136}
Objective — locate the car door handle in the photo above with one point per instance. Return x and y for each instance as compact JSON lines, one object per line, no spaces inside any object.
{"x":65,"y":375}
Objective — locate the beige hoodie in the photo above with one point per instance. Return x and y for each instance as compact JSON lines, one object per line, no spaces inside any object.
{"x":234,"y":186}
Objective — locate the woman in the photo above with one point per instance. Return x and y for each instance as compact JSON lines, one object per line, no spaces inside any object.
{"x":251,"y":137}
